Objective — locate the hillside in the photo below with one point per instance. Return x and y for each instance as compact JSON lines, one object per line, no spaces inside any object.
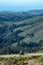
{"x":23,"y":34}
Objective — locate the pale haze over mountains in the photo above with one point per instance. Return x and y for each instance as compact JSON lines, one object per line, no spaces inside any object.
{"x":20,"y":5}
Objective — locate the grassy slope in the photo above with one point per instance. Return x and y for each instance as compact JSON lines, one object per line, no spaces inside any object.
{"x":33,"y":25}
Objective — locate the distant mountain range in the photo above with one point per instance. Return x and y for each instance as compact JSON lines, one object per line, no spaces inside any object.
{"x":19,"y":16}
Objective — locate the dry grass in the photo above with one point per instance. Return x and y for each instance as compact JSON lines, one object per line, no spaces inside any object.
{"x":22,"y":60}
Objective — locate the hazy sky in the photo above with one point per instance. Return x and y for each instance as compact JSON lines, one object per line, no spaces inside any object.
{"x":20,"y":5}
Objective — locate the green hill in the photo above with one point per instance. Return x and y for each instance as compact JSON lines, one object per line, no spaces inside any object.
{"x":25,"y":35}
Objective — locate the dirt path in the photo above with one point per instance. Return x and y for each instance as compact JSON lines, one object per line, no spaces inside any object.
{"x":30,"y":54}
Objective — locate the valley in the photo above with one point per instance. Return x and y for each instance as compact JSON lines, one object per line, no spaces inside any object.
{"x":20,"y":33}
